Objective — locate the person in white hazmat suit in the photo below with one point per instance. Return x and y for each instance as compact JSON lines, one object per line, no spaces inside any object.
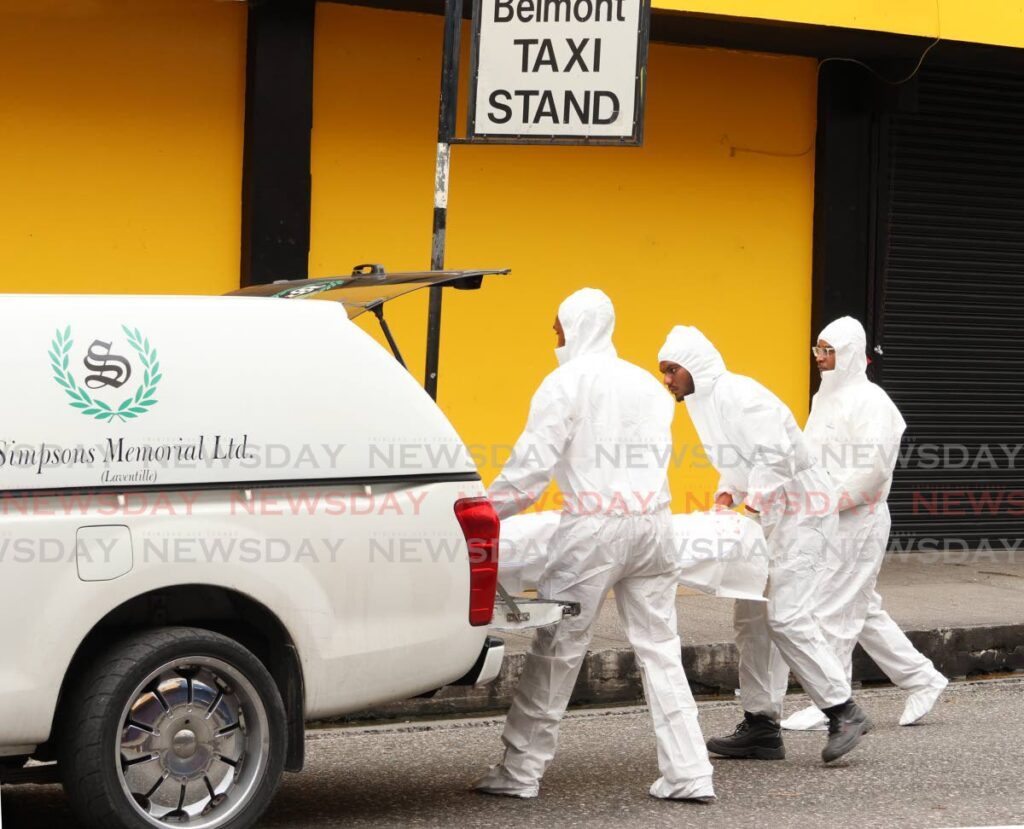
{"x":602,"y":428}
{"x":855,"y":429}
{"x":753,"y":441}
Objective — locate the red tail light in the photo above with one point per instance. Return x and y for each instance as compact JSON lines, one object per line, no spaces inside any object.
{"x":480,"y":524}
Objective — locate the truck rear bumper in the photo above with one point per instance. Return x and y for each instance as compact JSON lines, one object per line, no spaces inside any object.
{"x":487,"y":665}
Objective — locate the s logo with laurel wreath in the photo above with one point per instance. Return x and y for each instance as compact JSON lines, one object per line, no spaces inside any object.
{"x":106,"y":371}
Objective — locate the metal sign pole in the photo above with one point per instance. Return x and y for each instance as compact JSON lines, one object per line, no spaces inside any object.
{"x":445,"y":133}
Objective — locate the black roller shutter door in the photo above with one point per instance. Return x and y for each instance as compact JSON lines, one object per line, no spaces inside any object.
{"x":951,"y":309}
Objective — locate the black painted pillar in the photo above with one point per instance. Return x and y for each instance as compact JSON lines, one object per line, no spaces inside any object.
{"x":851,"y":193}
{"x":278,"y":123}
{"x":842,"y":196}
{"x":844,"y":199}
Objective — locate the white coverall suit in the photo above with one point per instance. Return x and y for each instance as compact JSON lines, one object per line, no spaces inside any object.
{"x":602,"y":428}
{"x":855,"y":430}
{"x":753,"y":441}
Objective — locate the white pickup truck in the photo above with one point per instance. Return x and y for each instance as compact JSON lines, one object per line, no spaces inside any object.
{"x":221,"y":517}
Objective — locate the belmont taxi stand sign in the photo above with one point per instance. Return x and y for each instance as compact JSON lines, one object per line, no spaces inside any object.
{"x":543,"y":72}
{"x":559,"y":69}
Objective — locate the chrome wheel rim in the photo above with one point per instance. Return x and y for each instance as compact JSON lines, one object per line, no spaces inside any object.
{"x":193,"y":743}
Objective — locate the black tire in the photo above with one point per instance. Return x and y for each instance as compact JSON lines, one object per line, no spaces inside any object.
{"x":90,"y":727}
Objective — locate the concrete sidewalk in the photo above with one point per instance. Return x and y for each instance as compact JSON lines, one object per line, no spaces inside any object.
{"x":965,"y":611}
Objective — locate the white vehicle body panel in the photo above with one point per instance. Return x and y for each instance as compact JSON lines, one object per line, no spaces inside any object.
{"x":347,"y":535}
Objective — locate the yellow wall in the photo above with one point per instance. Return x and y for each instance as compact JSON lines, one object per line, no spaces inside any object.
{"x":1000,"y":22}
{"x":682,"y":230}
{"x":121,"y":145}
{"x":121,"y":142}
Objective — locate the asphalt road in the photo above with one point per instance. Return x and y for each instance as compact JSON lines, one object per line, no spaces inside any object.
{"x":963,"y":766}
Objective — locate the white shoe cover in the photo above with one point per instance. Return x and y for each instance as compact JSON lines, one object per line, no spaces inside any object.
{"x":690,"y":790}
{"x":498,"y":781}
{"x":807,"y":719}
{"x":920,"y":702}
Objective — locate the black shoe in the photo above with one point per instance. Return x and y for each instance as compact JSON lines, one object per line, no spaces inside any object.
{"x":758,"y":737}
{"x":847,"y":723}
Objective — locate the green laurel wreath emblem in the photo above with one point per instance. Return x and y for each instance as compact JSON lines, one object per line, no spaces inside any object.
{"x":138,"y":404}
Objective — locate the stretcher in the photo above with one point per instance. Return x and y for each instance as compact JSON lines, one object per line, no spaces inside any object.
{"x":721,"y":553}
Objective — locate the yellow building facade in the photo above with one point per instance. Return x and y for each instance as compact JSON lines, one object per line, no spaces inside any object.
{"x":121,"y":134}
{"x":121,"y":145}
{"x":684,"y":229}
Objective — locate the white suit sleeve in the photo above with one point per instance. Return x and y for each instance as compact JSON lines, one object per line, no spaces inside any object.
{"x":536,"y":454}
{"x":865,"y":476}
{"x":764,"y":440}
{"x":732,"y":487}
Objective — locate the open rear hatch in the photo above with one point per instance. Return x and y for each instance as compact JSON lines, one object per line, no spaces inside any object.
{"x":367,"y":289}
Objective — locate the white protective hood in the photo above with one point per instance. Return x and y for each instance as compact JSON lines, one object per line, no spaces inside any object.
{"x":688,"y":347}
{"x":847,"y":337}
{"x":588,"y":321}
